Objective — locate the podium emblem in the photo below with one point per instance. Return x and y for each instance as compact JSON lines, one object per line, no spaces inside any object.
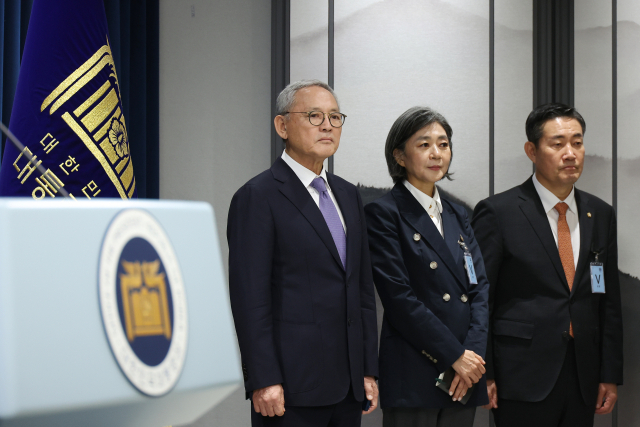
{"x":143,"y":302}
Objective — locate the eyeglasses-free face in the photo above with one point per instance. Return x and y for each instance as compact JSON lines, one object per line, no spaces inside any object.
{"x":426,"y":157}
{"x":317,"y":117}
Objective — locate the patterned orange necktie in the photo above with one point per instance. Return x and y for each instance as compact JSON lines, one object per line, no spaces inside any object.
{"x":565,"y":248}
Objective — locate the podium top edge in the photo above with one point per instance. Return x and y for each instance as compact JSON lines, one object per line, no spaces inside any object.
{"x":102,"y":203}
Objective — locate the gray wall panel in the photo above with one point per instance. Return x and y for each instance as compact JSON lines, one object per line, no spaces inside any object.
{"x":593,"y":93}
{"x":390,"y":56}
{"x":215,"y":108}
{"x":628,"y":175}
{"x":513,"y":90}
{"x":309,"y":40}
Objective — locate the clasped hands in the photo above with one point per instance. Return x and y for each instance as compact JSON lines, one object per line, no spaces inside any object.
{"x":469,"y":369}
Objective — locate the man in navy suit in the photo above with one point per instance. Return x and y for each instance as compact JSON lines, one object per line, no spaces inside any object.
{"x":300,"y":276}
{"x":554,"y":353}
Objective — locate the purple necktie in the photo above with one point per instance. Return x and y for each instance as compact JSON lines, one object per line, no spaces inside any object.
{"x":330,"y":214}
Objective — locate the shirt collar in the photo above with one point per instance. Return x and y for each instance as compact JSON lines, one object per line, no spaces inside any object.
{"x":305,"y":175}
{"x":430,"y":204}
{"x":549,"y":200}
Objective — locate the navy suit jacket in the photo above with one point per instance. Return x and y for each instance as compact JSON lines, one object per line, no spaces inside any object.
{"x":530,"y":301}
{"x":301,"y":319}
{"x":423,"y":333}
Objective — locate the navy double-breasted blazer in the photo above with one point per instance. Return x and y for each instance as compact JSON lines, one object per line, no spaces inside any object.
{"x":302,"y":320}
{"x":432,"y":314}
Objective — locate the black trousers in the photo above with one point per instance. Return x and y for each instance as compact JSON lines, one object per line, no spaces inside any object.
{"x":563,"y":407}
{"x":461,"y":416}
{"x":347,"y":413}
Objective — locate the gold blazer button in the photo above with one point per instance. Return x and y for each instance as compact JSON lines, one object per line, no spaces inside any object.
{"x":416,"y":237}
{"x":446,"y":297}
{"x":464,"y":298}
{"x":433,"y":265}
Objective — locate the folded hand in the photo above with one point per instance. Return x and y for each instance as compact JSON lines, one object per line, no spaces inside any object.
{"x":269,"y":401}
{"x":470,"y":366}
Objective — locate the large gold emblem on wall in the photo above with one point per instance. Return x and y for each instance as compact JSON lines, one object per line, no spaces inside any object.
{"x":144,"y":300}
{"x":98,"y":120}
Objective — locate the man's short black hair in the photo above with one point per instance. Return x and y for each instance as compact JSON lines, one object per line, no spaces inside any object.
{"x":542,"y":114}
{"x":410,"y":122}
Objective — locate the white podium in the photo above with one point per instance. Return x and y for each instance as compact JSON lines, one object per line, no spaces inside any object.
{"x":94,"y":334}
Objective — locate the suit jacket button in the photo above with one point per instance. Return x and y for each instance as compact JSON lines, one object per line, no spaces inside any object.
{"x":446,"y":297}
{"x":565,"y":335}
{"x":349,"y":322}
{"x":416,"y":237}
{"x":433,"y":265}
{"x":464,"y":298}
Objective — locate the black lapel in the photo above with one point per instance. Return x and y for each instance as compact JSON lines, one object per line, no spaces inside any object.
{"x":348,"y":208}
{"x":531,"y":206}
{"x":293,"y":190}
{"x":586,"y":232}
{"x":413,"y":212}
{"x":451,"y":231}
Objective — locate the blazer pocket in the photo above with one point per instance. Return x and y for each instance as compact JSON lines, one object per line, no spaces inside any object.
{"x":300,"y":355}
{"x":513,"y":328}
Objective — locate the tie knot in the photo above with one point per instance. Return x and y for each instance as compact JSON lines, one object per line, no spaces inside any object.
{"x":318,"y":184}
{"x":562,"y":208}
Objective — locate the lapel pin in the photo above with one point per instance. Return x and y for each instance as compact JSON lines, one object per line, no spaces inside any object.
{"x":589,"y":214}
{"x":416,"y":237}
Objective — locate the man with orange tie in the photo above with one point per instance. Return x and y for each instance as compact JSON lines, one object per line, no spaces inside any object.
{"x":554,"y":353}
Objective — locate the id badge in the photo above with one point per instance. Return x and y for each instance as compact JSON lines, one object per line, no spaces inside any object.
{"x":597,"y":278}
{"x":471,"y":271}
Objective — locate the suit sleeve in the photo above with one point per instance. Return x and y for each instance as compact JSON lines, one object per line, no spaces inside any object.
{"x":416,"y":323}
{"x":250,"y":234}
{"x":489,"y":237}
{"x":611,"y":313}
{"x":478,"y":298}
{"x":367,"y":302}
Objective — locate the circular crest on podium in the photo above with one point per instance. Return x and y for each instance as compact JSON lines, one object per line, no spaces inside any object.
{"x":143,"y":302}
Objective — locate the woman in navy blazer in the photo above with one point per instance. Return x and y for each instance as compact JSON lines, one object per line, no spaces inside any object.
{"x":435,"y":317}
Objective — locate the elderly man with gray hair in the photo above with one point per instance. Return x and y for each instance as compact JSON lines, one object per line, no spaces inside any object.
{"x":300,"y":276}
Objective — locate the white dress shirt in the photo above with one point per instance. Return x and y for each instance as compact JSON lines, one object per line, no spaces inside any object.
{"x":432,"y":205}
{"x":307,"y":176}
{"x":549,"y":201}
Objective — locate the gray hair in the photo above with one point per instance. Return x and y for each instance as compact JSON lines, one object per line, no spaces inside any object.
{"x":287,"y":97}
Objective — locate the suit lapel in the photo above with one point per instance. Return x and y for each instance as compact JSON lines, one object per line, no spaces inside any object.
{"x":291,"y":187}
{"x":451,"y":232}
{"x":532,"y":208}
{"x":417,"y":217}
{"x":347,"y":208}
{"x":586,"y":235}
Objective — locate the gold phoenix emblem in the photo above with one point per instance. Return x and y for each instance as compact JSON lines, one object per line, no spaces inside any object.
{"x":98,"y":121}
{"x":144,"y":300}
